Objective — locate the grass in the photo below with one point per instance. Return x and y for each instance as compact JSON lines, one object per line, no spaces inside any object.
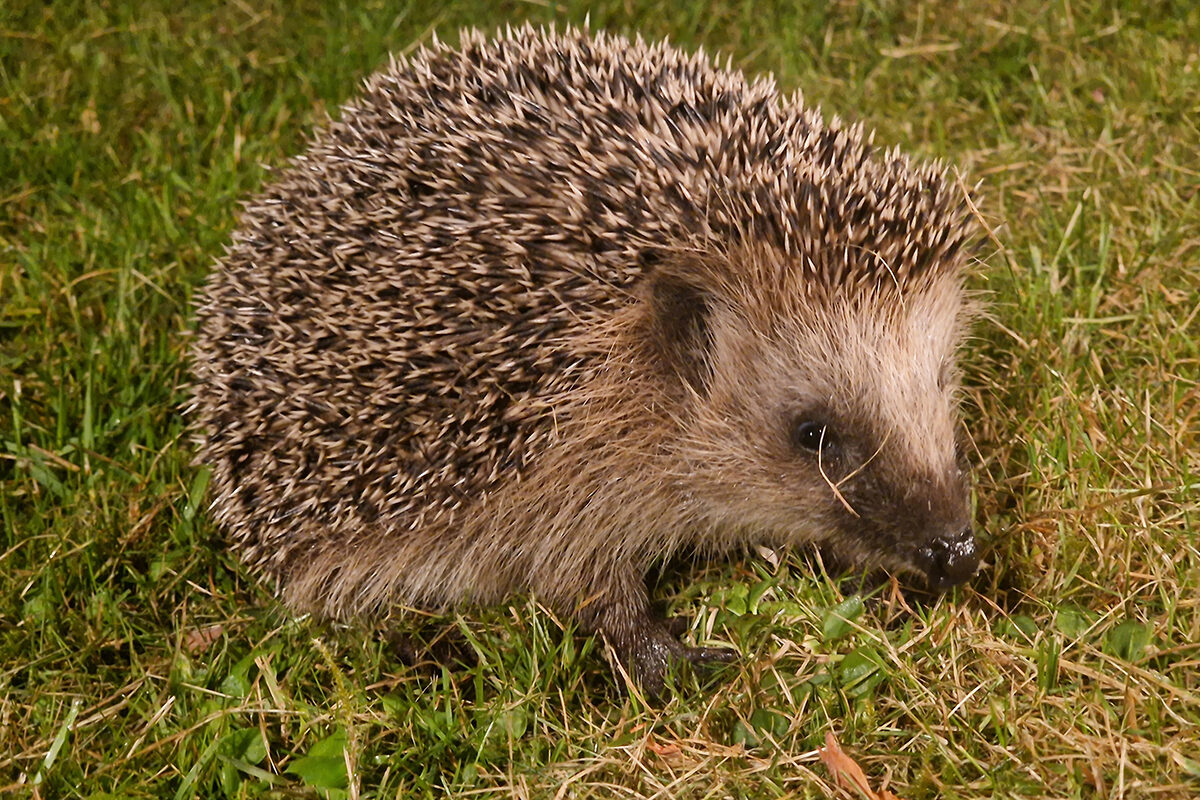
{"x":138,"y":660}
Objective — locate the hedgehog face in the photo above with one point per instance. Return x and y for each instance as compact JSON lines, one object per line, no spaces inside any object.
{"x":837,"y":423}
{"x":901,"y":473}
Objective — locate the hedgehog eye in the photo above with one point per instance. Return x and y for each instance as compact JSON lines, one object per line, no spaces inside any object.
{"x":811,"y":435}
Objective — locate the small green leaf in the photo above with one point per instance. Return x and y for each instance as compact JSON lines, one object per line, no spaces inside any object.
{"x":756,"y":594}
{"x":245,"y":744}
{"x":1072,"y":622}
{"x":860,"y":672}
{"x":763,"y":723}
{"x":514,"y":722}
{"x":393,"y":705}
{"x":768,"y":721}
{"x":38,"y":606}
{"x":837,"y":620}
{"x":237,"y":682}
{"x":736,"y":599}
{"x":324,"y":767}
{"x":744,"y":735}
{"x":819,"y":679}
{"x":1128,"y":640}
{"x":196,"y":493}
{"x":1018,"y":625}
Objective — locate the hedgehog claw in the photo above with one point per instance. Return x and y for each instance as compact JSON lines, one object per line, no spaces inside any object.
{"x":678,"y":625}
{"x":710,"y":655}
{"x":653,"y":649}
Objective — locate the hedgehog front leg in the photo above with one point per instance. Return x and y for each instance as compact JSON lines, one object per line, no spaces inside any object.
{"x":644,"y":643}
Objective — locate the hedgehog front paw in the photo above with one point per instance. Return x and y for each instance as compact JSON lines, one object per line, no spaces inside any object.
{"x":653,"y":646}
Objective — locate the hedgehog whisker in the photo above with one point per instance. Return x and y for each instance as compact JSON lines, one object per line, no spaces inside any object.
{"x":833,"y":487}
{"x":864,"y":465}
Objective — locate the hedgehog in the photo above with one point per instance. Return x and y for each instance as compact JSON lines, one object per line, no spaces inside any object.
{"x":540,"y":311}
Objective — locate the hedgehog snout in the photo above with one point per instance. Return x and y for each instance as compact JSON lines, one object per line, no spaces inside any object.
{"x":949,"y":559}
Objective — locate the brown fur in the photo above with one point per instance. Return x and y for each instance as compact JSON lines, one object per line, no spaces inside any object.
{"x":539,"y":311}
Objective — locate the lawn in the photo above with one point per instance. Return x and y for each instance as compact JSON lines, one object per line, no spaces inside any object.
{"x":138,"y":659}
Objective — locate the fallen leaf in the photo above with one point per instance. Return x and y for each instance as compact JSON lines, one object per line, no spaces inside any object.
{"x":663,"y":749}
{"x":197,"y":641}
{"x":846,"y":772}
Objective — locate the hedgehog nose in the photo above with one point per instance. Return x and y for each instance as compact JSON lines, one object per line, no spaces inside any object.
{"x":949,"y":560}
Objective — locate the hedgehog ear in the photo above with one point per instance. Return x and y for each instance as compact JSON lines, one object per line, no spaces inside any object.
{"x":679,"y":328}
